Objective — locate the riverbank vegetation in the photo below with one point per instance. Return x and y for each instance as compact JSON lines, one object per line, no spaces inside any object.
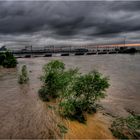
{"x":126,"y":128}
{"x":7,"y":60}
{"x":23,"y":76}
{"x":77,"y":93}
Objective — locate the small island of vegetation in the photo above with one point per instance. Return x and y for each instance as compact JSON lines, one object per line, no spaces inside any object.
{"x":77,"y":93}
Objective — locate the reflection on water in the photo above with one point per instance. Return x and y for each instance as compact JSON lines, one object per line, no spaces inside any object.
{"x":23,"y":115}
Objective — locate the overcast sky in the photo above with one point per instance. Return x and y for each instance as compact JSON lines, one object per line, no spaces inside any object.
{"x":47,"y":22}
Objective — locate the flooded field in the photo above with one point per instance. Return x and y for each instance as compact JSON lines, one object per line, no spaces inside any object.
{"x":24,"y":115}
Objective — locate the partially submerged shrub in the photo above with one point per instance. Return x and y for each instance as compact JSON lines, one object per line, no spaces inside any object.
{"x":71,"y":109}
{"x":23,"y":76}
{"x":126,"y":128}
{"x":7,"y":60}
{"x":52,"y":78}
{"x":2,"y":57}
{"x":77,"y":93}
{"x":63,"y":129}
{"x":83,"y":94}
{"x":43,"y":93}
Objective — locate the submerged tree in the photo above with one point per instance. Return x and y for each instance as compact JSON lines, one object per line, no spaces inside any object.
{"x":77,"y":93}
{"x":23,"y":76}
{"x":55,"y":80}
{"x":82,"y":96}
{"x":52,"y":77}
{"x":7,"y":60}
{"x":126,"y":128}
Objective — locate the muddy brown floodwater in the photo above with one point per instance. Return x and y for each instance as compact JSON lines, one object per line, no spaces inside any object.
{"x":24,"y":115}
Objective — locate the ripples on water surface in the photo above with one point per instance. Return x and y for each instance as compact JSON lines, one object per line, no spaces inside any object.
{"x":23,"y":115}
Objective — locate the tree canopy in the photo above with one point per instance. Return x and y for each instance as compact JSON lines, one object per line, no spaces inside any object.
{"x":77,"y":92}
{"x":7,"y":60}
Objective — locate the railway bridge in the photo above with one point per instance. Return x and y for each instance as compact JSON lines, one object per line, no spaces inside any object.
{"x":68,"y":51}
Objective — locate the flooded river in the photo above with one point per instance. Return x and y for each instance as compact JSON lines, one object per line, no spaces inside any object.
{"x":24,"y":115}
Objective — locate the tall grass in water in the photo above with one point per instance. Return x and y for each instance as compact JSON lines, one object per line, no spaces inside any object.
{"x":23,"y":77}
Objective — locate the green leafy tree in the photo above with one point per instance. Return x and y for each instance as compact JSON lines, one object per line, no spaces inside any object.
{"x":77,"y":93}
{"x":23,"y":77}
{"x":55,"y":80}
{"x":53,"y":72}
{"x":7,"y":60}
{"x":82,"y":96}
{"x":2,"y":57}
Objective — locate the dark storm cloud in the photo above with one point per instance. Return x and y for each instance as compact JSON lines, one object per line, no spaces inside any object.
{"x":127,"y":5}
{"x":69,"y":19}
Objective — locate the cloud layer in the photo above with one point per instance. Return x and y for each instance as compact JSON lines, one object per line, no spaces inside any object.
{"x":44,"y":22}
